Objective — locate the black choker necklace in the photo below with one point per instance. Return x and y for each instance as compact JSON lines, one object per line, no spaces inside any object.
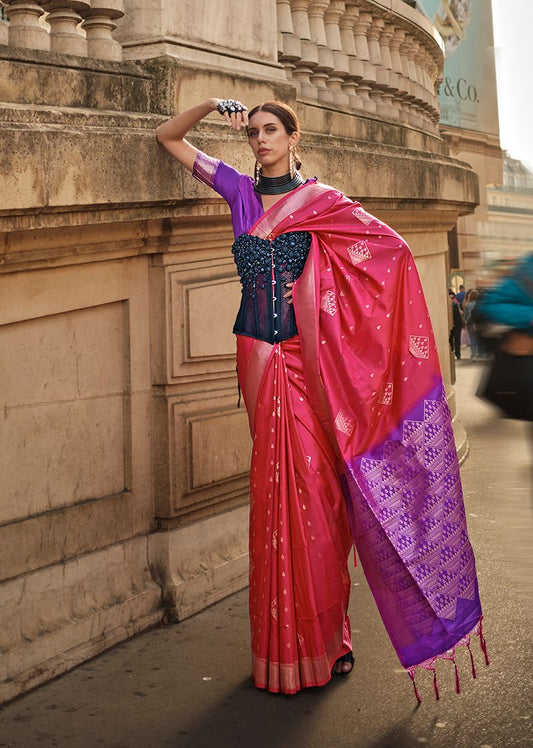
{"x":278,"y":185}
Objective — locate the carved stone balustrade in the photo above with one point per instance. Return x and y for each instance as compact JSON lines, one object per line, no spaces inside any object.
{"x":379,"y":56}
{"x":355,"y":74}
{"x":64,"y":17}
{"x":324,"y":70}
{"x":24,"y":27}
{"x":332,"y":17}
{"x":4,"y":29}
{"x":303,"y":68}
{"x":74,"y":27}
{"x":99,"y":24}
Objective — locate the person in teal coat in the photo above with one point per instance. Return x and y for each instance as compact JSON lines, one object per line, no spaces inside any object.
{"x":509,"y":383}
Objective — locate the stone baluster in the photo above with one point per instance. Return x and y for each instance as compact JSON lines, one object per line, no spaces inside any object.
{"x":64,"y":17}
{"x":435,"y":74}
{"x":389,"y":89}
{"x":4,"y":29}
{"x":336,"y":79}
{"x":398,"y":82}
{"x":430,"y":71}
{"x":24,"y":27}
{"x":324,"y":68}
{"x":365,"y":85}
{"x":355,"y":66}
{"x":416,"y":98}
{"x":382,"y":77}
{"x":408,"y":94}
{"x":99,"y":24}
{"x":309,"y":56}
{"x":289,"y":46}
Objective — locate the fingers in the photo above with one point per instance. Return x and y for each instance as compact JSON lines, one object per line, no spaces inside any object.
{"x":237,"y":120}
{"x":288,"y":295}
{"x":235,"y":113}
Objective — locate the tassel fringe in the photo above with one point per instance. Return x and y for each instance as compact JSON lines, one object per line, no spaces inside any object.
{"x":450,"y":655}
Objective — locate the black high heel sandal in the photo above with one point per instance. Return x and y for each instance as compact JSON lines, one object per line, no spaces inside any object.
{"x":348,"y":657}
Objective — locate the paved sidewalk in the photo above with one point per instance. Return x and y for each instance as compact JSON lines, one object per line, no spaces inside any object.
{"x":188,"y":684}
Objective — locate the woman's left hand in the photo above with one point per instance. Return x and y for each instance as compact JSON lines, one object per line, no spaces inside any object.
{"x":288,"y":295}
{"x":234,"y":112}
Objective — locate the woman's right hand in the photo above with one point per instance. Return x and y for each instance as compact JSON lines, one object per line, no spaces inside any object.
{"x":236,"y":120}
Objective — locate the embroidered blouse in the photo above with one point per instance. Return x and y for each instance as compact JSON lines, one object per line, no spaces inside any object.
{"x":264,"y":267}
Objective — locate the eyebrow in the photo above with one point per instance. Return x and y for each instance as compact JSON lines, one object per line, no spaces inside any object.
{"x":267,"y":124}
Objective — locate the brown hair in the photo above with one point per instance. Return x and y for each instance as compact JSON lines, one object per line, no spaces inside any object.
{"x":287,"y":117}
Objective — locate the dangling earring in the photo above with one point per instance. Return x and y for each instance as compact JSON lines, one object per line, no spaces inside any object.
{"x":292,"y":166}
{"x":257,"y":173}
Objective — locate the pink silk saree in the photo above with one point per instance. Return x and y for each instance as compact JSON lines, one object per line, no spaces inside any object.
{"x":352,"y":432}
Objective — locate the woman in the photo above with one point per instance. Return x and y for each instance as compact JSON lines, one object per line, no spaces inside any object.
{"x":455,"y":332}
{"x":351,"y":432}
{"x":509,"y":381}
{"x":471,"y":325}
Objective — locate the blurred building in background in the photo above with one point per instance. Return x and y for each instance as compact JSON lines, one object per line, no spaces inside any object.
{"x":469,"y":119}
{"x":508,"y":232}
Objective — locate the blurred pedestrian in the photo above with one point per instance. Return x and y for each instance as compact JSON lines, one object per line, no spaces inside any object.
{"x":471,"y":324}
{"x":457,"y":326}
{"x":509,"y":382}
{"x":460,"y":296}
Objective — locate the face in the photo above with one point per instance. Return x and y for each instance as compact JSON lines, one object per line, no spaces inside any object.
{"x":270,"y":143}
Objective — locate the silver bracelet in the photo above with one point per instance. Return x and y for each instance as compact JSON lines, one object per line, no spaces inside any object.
{"x":231,"y":106}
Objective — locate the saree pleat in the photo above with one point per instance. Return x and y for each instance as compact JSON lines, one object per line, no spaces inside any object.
{"x":299,"y":531}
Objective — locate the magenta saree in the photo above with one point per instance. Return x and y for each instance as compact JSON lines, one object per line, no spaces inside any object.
{"x":350,"y":418}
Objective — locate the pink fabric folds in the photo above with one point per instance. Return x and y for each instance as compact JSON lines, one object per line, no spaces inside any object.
{"x":299,"y":531}
{"x":373,"y":385}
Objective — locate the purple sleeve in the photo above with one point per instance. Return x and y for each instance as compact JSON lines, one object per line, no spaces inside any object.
{"x":217,"y":175}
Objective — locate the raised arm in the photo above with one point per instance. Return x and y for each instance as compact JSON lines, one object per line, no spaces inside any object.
{"x":171,"y":134}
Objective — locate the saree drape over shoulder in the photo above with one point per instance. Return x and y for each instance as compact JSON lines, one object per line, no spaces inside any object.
{"x":352,"y":443}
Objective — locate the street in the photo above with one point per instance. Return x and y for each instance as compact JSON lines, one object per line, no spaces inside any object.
{"x":188,"y":684}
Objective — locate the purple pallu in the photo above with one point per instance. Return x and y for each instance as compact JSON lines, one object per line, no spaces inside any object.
{"x":410,"y":525}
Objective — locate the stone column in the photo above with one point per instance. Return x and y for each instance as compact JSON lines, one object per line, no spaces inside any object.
{"x":336,"y":80}
{"x":397,"y":79}
{"x":4,"y":29}
{"x":289,"y":46}
{"x":99,"y":24}
{"x":324,"y":68}
{"x":374,"y":52}
{"x":389,"y":88}
{"x":64,"y":18}
{"x":309,"y":60}
{"x":355,"y":66}
{"x":362,"y":24}
{"x":24,"y":27}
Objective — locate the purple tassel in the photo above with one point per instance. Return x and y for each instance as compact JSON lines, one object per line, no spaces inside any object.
{"x":483,"y":644}
{"x":472,"y":661}
{"x":457,"y":683}
{"x":414,"y":686}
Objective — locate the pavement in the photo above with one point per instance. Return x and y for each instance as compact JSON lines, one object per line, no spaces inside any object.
{"x":187,"y":685}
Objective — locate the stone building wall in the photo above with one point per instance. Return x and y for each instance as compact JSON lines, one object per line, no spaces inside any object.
{"x":123,"y":455}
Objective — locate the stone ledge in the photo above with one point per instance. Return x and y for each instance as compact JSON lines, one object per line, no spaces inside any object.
{"x":200,"y":564}
{"x":54,"y":618}
{"x":56,"y":536}
{"x":112,"y":627}
{"x":33,"y":77}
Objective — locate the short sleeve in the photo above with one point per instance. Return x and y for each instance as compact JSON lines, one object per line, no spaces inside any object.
{"x":217,"y":175}
{"x":205,"y":168}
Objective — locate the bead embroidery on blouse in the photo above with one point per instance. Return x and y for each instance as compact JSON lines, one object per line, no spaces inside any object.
{"x":264,"y":268}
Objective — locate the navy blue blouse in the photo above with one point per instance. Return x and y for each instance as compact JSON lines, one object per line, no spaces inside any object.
{"x":264,"y":268}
